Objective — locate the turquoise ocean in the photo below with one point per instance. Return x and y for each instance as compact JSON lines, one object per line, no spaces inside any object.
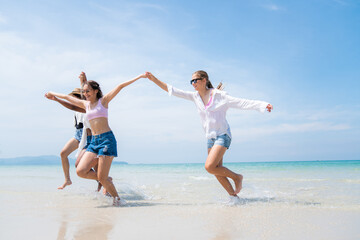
{"x":277,"y":195}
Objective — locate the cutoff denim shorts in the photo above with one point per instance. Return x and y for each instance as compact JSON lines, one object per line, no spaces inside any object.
{"x":103,"y":144}
{"x":222,"y":140}
{"x":88,"y":141}
{"x":78,"y":134}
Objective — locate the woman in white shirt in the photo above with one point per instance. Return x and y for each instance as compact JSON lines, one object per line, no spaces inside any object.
{"x":75,"y":141}
{"x":212,"y":105}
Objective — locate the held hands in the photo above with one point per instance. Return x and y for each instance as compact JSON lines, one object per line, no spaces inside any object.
{"x":150,"y":76}
{"x":142,"y":75}
{"x":269,"y":107}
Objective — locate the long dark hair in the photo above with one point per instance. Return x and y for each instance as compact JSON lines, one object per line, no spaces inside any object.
{"x":209,"y":85}
{"x":95,"y":86}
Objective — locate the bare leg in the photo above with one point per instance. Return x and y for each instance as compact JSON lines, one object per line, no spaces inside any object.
{"x":99,"y":184}
{"x":214,"y":166}
{"x":226,"y":184}
{"x":105,"y":192}
{"x":95,"y":167}
{"x":86,"y":163}
{"x":81,"y":154}
{"x":224,"y":181}
{"x":85,"y":169}
{"x":103,"y":176}
{"x":69,"y":147}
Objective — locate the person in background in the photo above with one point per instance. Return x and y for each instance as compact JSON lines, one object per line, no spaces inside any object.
{"x":74,"y":142}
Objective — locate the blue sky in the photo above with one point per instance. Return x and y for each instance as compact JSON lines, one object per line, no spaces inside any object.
{"x":301,"y":56}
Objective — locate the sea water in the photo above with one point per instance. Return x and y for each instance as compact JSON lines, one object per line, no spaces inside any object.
{"x":279,"y":200}
{"x":325,"y":183}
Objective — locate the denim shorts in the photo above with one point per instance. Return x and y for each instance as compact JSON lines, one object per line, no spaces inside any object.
{"x":78,"y":134}
{"x":103,"y":144}
{"x":222,"y":140}
{"x":88,"y":141}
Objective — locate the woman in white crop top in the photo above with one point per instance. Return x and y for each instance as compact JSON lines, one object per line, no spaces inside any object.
{"x":212,"y":105}
{"x":103,"y":143}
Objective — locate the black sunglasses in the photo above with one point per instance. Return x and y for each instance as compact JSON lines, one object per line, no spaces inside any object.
{"x":195,"y":80}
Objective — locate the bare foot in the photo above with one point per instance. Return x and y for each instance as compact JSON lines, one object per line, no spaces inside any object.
{"x":66,"y":183}
{"x":233,"y":200}
{"x":238,"y":184}
{"x":118,"y":202}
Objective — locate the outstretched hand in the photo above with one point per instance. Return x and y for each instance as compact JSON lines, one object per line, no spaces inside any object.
{"x":269,"y":107}
{"x":82,"y":77}
{"x":143,"y":75}
{"x":50,"y":96}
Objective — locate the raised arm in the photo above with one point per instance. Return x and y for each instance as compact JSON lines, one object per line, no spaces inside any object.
{"x":172,"y":90}
{"x":269,"y":107}
{"x":73,"y":100}
{"x":161,"y":84}
{"x":110,"y":95}
{"x":83,"y":79}
{"x":66,"y":104}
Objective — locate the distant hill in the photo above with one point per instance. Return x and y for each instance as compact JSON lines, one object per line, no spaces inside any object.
{"x":39,"y":160}
{"x":32,"y":160}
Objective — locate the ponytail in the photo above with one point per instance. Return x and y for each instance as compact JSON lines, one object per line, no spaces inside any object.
{"x":220,"y":86}
{"x":208,"y":84}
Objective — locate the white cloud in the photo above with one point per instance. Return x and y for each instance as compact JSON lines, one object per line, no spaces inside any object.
{"x":252,"y":125}
{"x":116,"y":44}
{"x":251,"y":132}
{"x":140,"y":112}
{"x":31,"y":68}
{"x":335,"y":114}
{"x":273,"y":7}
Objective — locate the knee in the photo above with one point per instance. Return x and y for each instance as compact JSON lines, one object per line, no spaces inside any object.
{"x":210,"y":168}
{"x":63,"y":154}
{"x":81,"y":172}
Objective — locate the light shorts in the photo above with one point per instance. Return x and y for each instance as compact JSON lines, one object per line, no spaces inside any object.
{"x":88,"y":141}
{"x":78,"y":134}
{"x":222,"y":140}
{"x":103,"y":144}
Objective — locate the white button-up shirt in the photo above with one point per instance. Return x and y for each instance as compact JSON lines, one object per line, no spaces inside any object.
{"x":81,"y":117}
{"x":213,"y":114}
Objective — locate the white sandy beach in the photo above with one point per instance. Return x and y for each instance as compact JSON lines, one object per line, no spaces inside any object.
{"x":84,"y":218}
